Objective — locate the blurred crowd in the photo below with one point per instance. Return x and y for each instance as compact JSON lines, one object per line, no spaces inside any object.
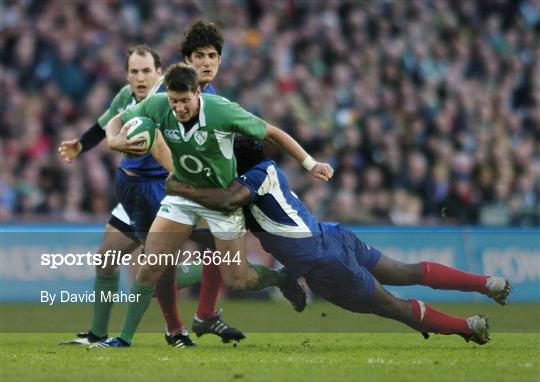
{"x":429,"y":111}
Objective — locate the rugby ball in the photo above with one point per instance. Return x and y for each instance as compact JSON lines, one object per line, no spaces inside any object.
{"x":142,"y":127}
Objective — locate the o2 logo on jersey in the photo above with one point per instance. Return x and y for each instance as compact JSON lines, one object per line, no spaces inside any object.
{"x":172,"y":135}
{"x":193,"y":165}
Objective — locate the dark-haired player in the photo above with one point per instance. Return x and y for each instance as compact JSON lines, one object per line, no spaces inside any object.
{"x":139,"y":187}
{"x":334,"y":262}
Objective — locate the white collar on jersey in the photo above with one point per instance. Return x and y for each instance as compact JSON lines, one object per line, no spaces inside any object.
{"x":201,"y":123}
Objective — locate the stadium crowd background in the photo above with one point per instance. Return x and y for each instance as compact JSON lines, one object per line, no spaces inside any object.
{"x":428,"y":110}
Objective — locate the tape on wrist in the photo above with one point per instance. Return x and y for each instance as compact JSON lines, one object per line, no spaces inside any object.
{"x":309,"y":163}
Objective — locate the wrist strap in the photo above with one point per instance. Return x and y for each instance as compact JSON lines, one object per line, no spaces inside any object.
{"x":309,"y":163}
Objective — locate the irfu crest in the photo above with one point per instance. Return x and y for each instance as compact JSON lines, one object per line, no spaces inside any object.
{"x":200,"y":137}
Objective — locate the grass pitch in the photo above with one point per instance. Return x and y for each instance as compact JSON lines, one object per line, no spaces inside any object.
{"x":395,"y":355}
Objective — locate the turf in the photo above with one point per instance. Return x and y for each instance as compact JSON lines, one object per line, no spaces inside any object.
{"x":277,"y":357}
{"x":396,"y":355}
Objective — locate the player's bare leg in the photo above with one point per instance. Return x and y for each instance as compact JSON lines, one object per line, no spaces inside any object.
{"x":423,"y":318}
{"x":237,"y":275}
{"x":437,"y":276}
{"x":391,"y":272}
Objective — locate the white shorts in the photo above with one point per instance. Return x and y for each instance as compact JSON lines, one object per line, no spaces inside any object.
{"x":120,"y":213}
{"x":223,"y":225}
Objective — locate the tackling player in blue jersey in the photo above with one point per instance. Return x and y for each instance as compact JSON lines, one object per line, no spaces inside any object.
{"x":334,"y":262}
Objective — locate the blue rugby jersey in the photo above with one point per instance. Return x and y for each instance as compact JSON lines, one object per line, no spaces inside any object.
{"x":284,"y":225}
{"x":146,"y":165}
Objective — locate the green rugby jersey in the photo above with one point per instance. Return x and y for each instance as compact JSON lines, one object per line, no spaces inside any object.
{"x":123,"y":100}
{"x":202,"y":156}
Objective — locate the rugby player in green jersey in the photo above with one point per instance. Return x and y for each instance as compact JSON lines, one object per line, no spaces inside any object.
{"x":143,"y":66}
{"x":143,"y":69}
{"x":198,"y":130}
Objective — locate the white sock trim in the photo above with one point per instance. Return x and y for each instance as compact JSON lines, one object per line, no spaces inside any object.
{"x":422,"y":309}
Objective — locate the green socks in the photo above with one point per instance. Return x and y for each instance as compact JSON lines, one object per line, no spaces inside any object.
{"x":187,"y":275}
{"x":102,"y":310}
{"x":267,"y":277}
{"x":135,"y":311}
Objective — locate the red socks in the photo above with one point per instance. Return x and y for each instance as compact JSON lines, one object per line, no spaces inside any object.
{"x":438,"y":276}
{"x":426,"y":319}
{"x":167,"y":294}
{"x":210,"y":285}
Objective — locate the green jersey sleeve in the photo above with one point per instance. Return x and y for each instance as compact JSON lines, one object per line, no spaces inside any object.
{"x":136,"y":111}
{"x":120,"y":102}
{"x":243,"y":122}
{"x":154,"y":107}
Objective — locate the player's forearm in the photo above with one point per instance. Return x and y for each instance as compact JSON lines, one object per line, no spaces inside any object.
{"x":112,"y":129}
{"x":212,"y":198}
{"x":285,"y":143}
{"x":161,"y":153}
{"x":91,"y":138}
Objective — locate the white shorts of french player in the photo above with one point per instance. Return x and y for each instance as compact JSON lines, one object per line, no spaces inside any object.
{"x":224,"y":226}
{"x":120,"y":213}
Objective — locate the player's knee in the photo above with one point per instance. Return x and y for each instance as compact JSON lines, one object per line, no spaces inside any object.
{"x":148,"y":275}
{"x":107,"y":270}
{"x":144,"y":278}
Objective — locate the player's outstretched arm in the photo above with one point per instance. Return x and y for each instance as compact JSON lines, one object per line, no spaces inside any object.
{"x":227,"y":199}
{"x":286,"y":143}
{"x":161,"y":152}
{"x":69,"y":150}
{"x":117,"y":138}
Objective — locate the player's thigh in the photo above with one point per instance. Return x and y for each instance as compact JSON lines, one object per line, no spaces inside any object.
{"x":353,"y":288}
{"x":229,"y":250}
{"x":173,"y":224}
{"x":164,"y":239}
{"x":166,"y":235}
{"x":115,"y":240}
{"x":391,"y":272}
{"x":344,"y":283}
{"x":385,"y":304}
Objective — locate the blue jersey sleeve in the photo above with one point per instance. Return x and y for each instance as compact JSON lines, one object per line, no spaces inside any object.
{"x":254,"y":179}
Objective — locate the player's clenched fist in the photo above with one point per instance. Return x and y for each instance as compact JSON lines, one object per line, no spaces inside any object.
{"x":322,"y":171}
{"x":69,"y":150}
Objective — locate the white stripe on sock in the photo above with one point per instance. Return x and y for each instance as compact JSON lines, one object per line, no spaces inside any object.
{"x":422,"y":309}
